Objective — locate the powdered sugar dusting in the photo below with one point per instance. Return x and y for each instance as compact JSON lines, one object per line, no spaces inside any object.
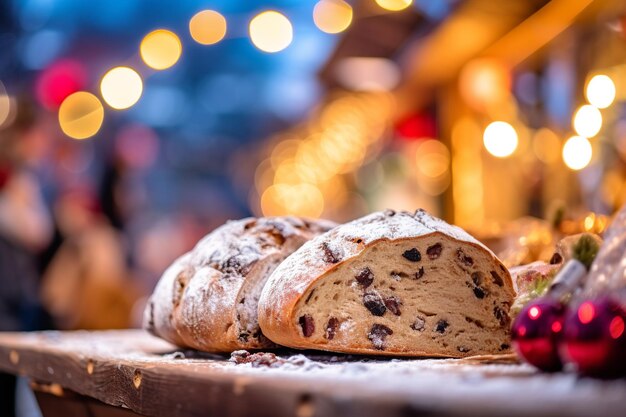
{"x":191,"y":303}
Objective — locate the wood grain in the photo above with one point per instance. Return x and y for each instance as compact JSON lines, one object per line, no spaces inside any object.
{"x":74,"y":405}
{"x":133,"y":370}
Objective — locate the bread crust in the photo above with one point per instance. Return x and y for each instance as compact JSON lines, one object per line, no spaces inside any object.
{"x":323,"y":254}
{"x":200,"y":301}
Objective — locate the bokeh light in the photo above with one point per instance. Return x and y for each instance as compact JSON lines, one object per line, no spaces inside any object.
{"x":394,"y":5}
{"x":292,"y":199}
{"x":484,"y":81}
{"x":121,"y":87}
{"x":546,"y":146}
{"x":587,"y":121}
{"x":586,"y":312}
{"x":271,"y":31}
{"x":81,"y":115}
{"x":160,"y":49}
{"x":534,"y":312}
{"x":5,"y":106}
{"x":600,"y":91}
{"x":332,"y":16}
{"x":433,"y":166}
{"x":207,"y":27}
{"x":500,"y":139}
{"x":616,"y":327}
{"x":577,"y":152}
{"x":368,"y":73}
{"x":42,"y":47}
{"x":58,"y":81}
{"x":432,"y":158}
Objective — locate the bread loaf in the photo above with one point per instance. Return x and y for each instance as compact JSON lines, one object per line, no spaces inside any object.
{"x":391,"y":283}
{"x":208,"y":298}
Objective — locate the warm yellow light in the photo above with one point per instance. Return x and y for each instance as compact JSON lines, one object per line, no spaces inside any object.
{"x":332,"y":16}
{"x":433,"y":166}
{"x":589,"y":221}
{"x":292,"y":199}
{"x":81,"y":115}
{"x":5,"y":105}
{"x":160,"y":49}
{"x":600,"y":91}
{"x":394,"y":5}
{"x":577,"y":152}
{"x":271,"y":31}
{"x":207,"y":27}
{"x":432,"y":158}
{"x":484,"y":82}
{"x":500,"y":139}
{"x":587,"y":121}
{"x":121,"y":87}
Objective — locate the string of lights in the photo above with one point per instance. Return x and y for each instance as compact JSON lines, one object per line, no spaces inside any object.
{"x":270,"y":31}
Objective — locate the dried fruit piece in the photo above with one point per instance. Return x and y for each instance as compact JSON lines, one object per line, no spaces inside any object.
{"x":477,"y":279}
{"x":479,"y":292}
{"x":393,"y":304}
{"x":475,"y":322}
{"x":256,"y":360}
{"x":365,"y":277}
{"x":463,"y":258}
{"x":419,"y":324}
{"x":502,"y":316}
{"x":419,"y":273}
{"x":398,"y":275}
{"x":378,"y":334}
{"x":307,"y":324}
{"x":412,"y":255}
{"x":442,"y":325}
{"x":434,"y":251}
{"x":374,"y":303}
{"x":329,"y":255}
{"x":497,"y":279}
{"x":331,"y":328}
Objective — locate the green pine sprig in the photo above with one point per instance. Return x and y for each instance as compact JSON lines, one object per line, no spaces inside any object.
{"x":585,"y":250}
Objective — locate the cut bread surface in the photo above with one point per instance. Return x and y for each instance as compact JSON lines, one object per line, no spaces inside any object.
{"x":406,"y":285}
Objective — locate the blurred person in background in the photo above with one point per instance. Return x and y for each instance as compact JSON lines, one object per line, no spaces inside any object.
{"x":25,"y":231}
{"x":87,"y":284}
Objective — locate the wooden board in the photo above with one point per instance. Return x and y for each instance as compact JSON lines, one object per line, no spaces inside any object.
{"x":134,"y":370}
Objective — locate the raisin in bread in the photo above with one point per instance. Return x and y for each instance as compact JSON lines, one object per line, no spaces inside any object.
{"x":208,"y":298}
{"x":391,"y":283}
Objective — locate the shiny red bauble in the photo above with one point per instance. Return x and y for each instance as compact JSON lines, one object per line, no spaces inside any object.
{"x":594,"y":339}
{"x":536,"y":332}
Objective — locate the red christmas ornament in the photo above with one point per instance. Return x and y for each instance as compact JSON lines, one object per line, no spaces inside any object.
{"x":536,"y":332}
{"x":595,"y":339}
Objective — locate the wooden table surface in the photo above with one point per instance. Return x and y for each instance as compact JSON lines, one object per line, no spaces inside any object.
{"x":134,"y":370}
